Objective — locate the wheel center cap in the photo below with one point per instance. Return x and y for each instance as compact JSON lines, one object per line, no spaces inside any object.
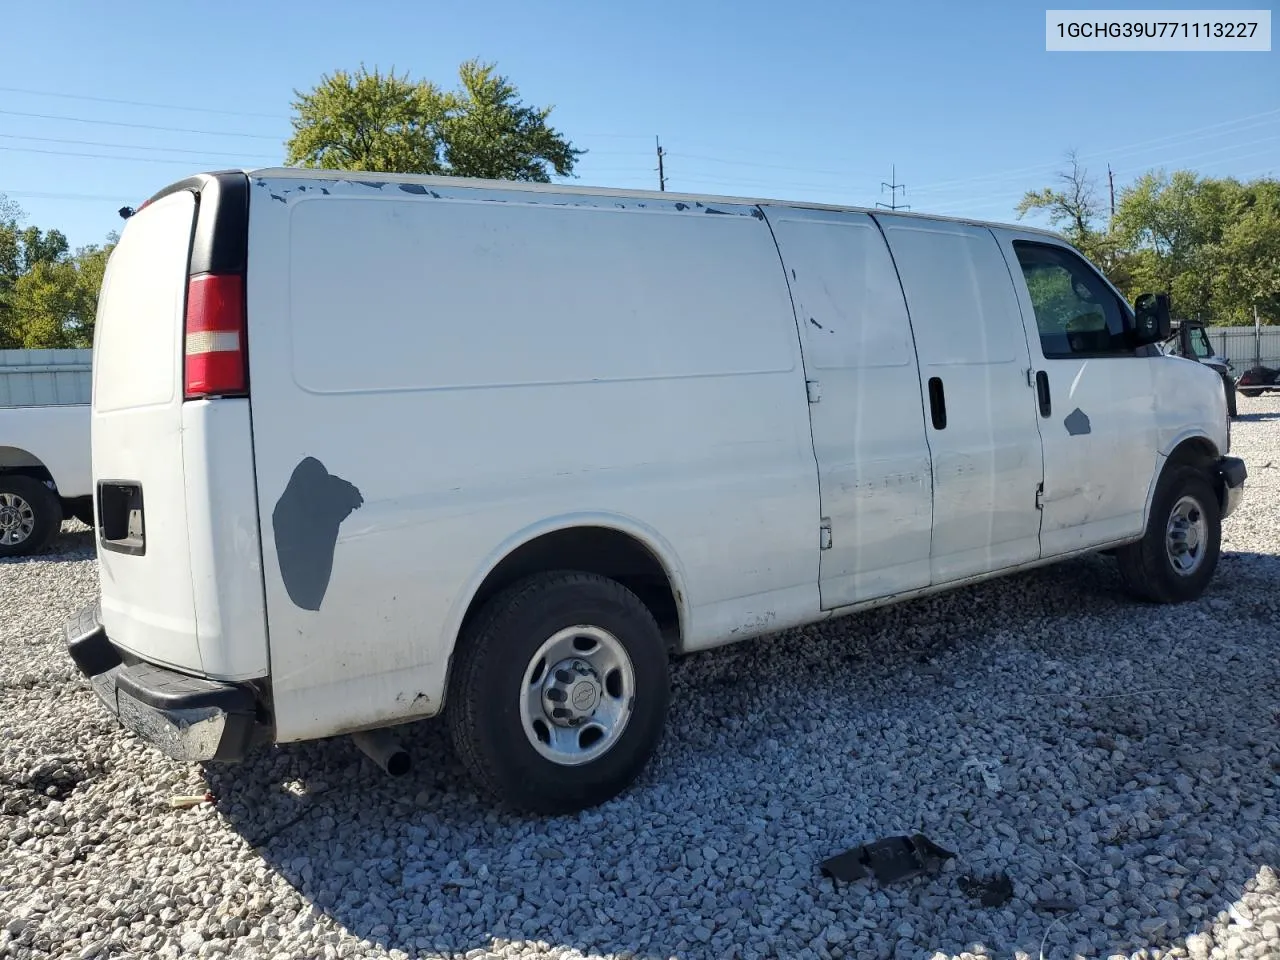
{"x":584,"y":696}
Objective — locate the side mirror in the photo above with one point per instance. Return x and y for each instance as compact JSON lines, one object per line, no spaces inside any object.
{"x":1151,"y":322}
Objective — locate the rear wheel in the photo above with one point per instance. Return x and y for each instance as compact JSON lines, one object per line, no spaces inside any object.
{"x":30,"y":515}
{"x":1177,"y":556}
{"x":82,"y":509}
{"x":1251,"y":391}
{"x":559,"y":694}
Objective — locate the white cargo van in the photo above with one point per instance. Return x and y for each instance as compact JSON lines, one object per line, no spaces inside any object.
{"x":371,"y":448}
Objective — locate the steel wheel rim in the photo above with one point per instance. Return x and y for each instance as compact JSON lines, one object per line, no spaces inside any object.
{"x":17,"y":520}
{"x":1186,"y":536}
{"x":577,"y":695}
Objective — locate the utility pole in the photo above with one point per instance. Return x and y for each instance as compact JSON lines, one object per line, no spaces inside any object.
{"x":1257,"y":337}
{"x":1111,"y":180}
{"x":662,"y":179}
{"x":894,"y":187}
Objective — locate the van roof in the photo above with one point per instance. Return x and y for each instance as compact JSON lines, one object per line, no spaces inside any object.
{"x":307,"y":173}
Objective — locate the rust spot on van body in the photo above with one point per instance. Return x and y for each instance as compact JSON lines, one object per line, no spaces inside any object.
{"x":305,"y":521}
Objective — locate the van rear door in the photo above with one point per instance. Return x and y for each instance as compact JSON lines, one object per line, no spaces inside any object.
{"x":175,"y":499}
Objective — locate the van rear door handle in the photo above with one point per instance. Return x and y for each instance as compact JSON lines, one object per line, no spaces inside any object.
{"x":937,"y":404}
{"x":1042,"y":393}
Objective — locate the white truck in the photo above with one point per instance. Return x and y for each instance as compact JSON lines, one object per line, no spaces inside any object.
{"x":45,"y":471}
{"x":370,"y":448}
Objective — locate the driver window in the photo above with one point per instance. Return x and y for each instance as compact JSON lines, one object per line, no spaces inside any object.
{"x":1076,"y":313}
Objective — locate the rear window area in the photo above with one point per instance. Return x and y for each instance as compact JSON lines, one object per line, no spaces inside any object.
{"x":137,"y":351}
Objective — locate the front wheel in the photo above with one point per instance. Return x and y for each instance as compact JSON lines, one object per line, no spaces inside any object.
{"x":559,"y":694}
{"x":1177,"y":556}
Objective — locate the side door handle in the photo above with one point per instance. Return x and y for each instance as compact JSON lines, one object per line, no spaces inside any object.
{"x":937,"y":404}
{"x":1042,"y":393}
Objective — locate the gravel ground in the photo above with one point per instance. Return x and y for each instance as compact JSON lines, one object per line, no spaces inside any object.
{"x":1119,"y":762}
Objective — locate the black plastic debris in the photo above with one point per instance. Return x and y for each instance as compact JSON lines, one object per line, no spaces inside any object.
{"x":890,"y":860}
{"x":990,"y":892}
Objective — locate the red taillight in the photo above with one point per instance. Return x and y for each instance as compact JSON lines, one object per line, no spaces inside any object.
{"x":216,"y":351}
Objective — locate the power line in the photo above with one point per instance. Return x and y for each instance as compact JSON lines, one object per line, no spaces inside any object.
{"x":844,"y":174}
{"x":141,"y":103}
{"x":97,"y":156}
{"x":1111,"y":152}
{"x":42,"y":195}
{"x":120,"y":146}
{"x":992,"y":201}
{"x":139,"y":126}
{"x":228,"y":113}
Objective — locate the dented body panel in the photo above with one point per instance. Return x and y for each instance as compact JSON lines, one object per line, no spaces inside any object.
{"x":797,"y":410}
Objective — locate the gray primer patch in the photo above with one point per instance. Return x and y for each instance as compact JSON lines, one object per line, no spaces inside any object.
{"x":276,"y":196}
{"x":306,"y":521}
{"x":325,"y":191}
{"x":713,"y":210}
{"x":757,"y":213}
{"x":417,"y":188}
{"x":816,"y":324}
{"x":1077,"y":423}
{"x":682,"y":206}
{"x":371,"y":183}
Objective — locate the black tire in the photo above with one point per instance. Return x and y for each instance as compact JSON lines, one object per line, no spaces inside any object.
{"x":82,"y":509}
{"x":1146,"y":567}
{"x":1251,"y":391}
{"x":485,"y":692}
{"x":25,"y":497}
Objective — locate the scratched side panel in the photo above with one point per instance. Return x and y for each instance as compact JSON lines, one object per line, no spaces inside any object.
{"x":987,"y":459}
{"x":868,"y":423}
{"x":438,"y":372}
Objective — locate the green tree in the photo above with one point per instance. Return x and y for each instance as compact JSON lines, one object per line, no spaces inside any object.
{"x":368,"y":121}
{"x":1211,"y":243}
{"x":387,"y":123}
{"x":487,"y":132}
{"x":1073,"y":207}
{"x":1248,"y":265}
{"x":48,"y":297}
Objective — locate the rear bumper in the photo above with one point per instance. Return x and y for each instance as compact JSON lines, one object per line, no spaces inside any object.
{"x":186,"y":718}
{"x":1231,"y":474}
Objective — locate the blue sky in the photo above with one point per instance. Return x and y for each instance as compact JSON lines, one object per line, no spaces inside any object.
{"x":811,"y":99}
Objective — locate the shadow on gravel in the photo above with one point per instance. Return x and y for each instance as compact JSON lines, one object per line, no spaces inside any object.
{"x":1256,"y":417}
{"x":1119,"y":762}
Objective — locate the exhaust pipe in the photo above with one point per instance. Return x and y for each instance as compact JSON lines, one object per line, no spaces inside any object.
{"x":384,"y":750}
